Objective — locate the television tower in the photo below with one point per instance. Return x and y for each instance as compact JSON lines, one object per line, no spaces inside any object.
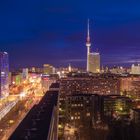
{"x":88,"y":44}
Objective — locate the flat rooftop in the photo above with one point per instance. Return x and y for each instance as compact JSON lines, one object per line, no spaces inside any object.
{"x":55,"y":85}
{"x":36,"y":124}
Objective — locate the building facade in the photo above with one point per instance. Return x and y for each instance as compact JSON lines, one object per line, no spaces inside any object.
{"x":48,"y":69}
{"x":102,"y":84}
{"x":25,"y":73}
{"x":4,"y":78}
{"x":94,"y":62}
{"x":135,"y":69}
{"x":114,"y":106}
{"x":130,"y":86}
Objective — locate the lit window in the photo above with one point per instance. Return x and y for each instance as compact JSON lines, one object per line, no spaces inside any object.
{"x":87,"y":101}
{"x":88,"y":114}
{"x":72,"y":117}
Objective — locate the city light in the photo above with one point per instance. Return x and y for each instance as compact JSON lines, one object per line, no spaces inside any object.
{"x":66,"y":77}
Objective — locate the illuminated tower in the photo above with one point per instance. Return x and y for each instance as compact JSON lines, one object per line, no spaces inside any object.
{"x":4,"y":78}
{"x":93,"y":58}
{"x":88,"y":44}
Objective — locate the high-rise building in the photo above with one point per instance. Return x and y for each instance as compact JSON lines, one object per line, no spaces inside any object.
{"x":135,"y":69}
{"x":94,"y":62}
{"x":48,"y":69}
{"x":25,"y":73}
{"x":10,"y":78}
{"x":47,"y":80}
{"x":16,"y":78}
{"x":4,"y":78}
{"x":69,"y":68}
{"x":93,"y":59}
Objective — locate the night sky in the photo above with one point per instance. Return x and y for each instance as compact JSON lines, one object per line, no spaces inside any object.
{"x":35,"y":32}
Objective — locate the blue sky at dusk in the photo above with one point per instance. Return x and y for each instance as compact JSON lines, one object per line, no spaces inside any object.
{"x":35,"y":32}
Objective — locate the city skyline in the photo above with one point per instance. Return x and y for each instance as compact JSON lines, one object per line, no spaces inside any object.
{"x":69,"y":70}
{"x":38,"y":32}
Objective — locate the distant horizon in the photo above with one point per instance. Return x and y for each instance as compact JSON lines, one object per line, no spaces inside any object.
{"x":74,"y":63}
{"x":83,"y":66}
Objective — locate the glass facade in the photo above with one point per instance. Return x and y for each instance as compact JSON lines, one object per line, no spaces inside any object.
{"x":4,"y":79}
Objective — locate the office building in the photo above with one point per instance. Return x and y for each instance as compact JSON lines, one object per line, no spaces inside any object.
{"x":35,"y":70}
{"x":25,"y":73}
{"x":130,"y":86}
{"x":81,"y":110}
{"x":81,"y":107}
{"x":46,"y":81}
{"x":4,"y":78}
{"x":94,"y":62}
{"x":16,"y":78}
{"x":114,"y":106}
{"x":48,"y":69}
{"x":10,"y":78}
{"x":118,"y":70}
{"x":135,"y":69}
